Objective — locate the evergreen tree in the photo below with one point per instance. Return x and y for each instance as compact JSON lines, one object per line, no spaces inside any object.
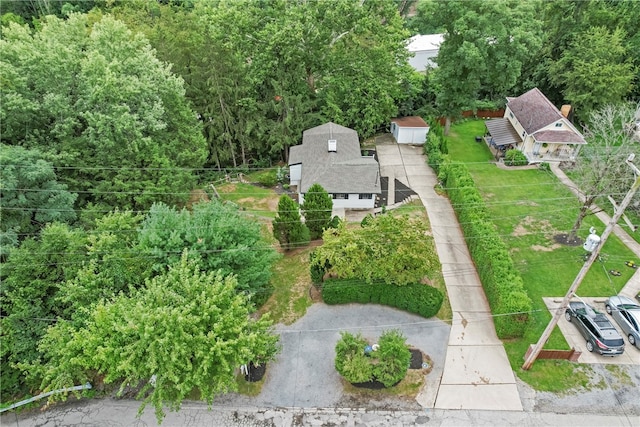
{"x":288,"y":228}
{"x":317,"y":208}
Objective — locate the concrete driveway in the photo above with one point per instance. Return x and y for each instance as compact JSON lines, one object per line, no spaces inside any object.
{"x":304,"y":374}
{"x":477,"y":373}
{"x":631,"y":355}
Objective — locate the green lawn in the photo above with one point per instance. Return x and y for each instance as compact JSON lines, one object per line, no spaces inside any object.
{"x":255,"y":200}
{"x":529,"y":208}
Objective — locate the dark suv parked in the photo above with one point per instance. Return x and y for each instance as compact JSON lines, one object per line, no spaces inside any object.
{"x":596,"y":328}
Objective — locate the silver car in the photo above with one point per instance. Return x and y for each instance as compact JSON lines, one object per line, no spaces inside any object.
{"x":627,"y":314}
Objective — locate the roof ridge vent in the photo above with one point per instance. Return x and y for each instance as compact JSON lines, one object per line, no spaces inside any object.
{"x":333,"y":146}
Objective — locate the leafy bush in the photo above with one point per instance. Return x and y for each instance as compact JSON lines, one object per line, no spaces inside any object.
{"x":388,"y":364}
{"x":544,"y":167}
{"x":268,"y":178}
{"x":351,"y":362}
{"x":393,"y":358}
{"x":515,"y":158}
{"x":415,"y":298}
{"x":316,"y":270}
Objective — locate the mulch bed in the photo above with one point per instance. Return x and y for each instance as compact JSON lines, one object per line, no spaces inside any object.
{"x":372,"y":385}
{"x":256,"y":372}
{"x":564,"y":240}
{"x":315,"y":294}
{"x":416,"y":359}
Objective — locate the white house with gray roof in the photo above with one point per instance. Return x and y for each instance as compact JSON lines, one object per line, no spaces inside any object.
{"x":330,"y":156}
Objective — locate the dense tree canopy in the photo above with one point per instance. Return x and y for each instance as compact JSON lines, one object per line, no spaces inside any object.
{"x":93,"y":98}
{"x":31,"y":281}
{"x":595,"y":70}
{"x":184,"y":330}
{"x":216,"y":234}
{"x":484,"y":49}
{"x":30,"y":196}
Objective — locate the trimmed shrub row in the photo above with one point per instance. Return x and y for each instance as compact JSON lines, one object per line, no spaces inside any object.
{"x":501,"y":281}
{"x":415,"y":298}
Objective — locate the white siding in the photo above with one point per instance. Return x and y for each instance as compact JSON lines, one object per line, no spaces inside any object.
{"x":423,"y":59}
{"x":406,"y":135}
{"x":295,"y":174}
{"x":353,"y":202}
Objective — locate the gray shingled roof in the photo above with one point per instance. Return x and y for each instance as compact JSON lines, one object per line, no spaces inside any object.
{"x":343,"y":171}
{"x":533,"y":110}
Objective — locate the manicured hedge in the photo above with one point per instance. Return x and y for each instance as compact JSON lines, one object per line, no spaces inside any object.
{"x":501,"y":281}
{"x":415,"y":298}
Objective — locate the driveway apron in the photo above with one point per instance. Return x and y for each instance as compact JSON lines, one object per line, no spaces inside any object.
{"x":477,"y":373}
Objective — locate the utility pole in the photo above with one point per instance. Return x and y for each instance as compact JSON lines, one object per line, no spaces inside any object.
{"x":618,"y":211}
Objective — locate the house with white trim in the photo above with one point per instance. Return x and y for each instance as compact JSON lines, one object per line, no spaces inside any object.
{"x":534,"y":126}
{"x":330,"y":155}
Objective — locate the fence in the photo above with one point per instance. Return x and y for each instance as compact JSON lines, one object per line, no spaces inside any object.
{"x":570,"y":355}
{"x":479,"y":113}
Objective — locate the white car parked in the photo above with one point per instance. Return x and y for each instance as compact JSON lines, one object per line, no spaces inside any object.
{"x":627,"y":313}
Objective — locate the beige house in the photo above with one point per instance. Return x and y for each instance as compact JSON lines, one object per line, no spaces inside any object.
{"x":534,"y":126}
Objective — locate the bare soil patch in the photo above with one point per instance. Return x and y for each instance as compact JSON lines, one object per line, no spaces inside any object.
{"x":197,"y":195}
{"x":530,"y":225}
{"x":563,"y":239}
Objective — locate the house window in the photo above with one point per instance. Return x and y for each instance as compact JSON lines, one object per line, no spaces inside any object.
{"x":365,"y":196}
{"x":523,"y":133}
{"x":510,"y":114}
{"x":559,"y":124}
{"x":340,"y":196}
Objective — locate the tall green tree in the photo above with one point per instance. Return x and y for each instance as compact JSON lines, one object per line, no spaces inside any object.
{"x":30,"y":196}
{"x":288,"y":228}
{"x":96,"y":101}
{"x":317,"y":208}
{"x":184,"y":330}
{"x":595,"y":70}
{"x":484,"y":49}
{"x":217,"y":235}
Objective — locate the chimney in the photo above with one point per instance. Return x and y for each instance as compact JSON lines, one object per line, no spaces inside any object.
{"x":333,"y":146}
{"x":567,"y":112}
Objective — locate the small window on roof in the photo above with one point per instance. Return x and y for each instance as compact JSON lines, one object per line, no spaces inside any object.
{"x":559,"y":124}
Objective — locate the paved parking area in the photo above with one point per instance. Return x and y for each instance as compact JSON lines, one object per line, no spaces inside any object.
{"x":631,"y":355}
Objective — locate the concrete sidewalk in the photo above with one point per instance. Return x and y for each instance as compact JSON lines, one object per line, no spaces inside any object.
{"x":477,"y":373}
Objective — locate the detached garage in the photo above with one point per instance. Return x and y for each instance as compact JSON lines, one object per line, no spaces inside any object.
{"x":409,"y":130}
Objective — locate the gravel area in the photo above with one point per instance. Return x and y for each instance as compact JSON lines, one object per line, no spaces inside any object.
{"x":612,"y":390}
